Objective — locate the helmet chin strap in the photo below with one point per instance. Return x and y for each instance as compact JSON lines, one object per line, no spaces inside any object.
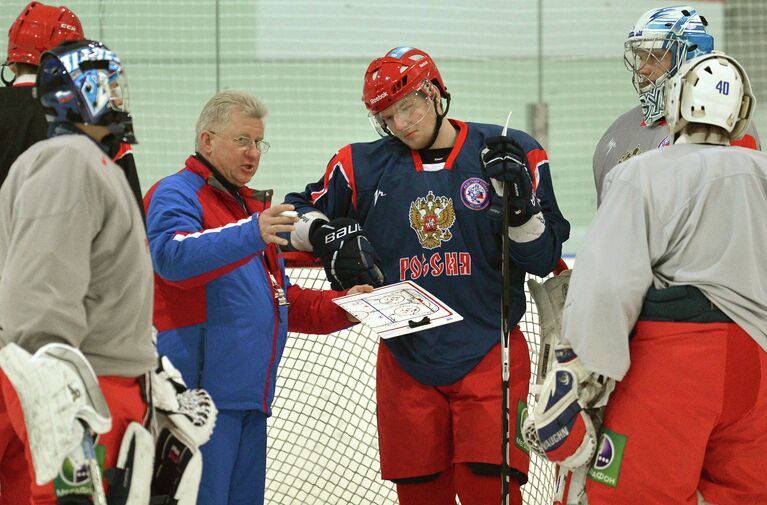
{"x":440,"y":118}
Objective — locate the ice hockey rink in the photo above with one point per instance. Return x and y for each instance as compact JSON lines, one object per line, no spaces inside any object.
{"x":556,"y":64}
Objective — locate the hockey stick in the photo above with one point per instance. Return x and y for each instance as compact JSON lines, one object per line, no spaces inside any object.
{"x":505,"y":413}
{"x":89,"y":452}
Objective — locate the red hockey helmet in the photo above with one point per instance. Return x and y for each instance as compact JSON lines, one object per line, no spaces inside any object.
{"x":39,"y":28}
{"x":393,"y":76}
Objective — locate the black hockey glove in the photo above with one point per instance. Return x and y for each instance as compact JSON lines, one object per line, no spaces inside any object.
{"x":346,"y":253}
{"x":504,"y":160}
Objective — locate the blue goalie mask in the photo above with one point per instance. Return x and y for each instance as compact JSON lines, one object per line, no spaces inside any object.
{"x":661,"y":41}
{"x":84,"y":82}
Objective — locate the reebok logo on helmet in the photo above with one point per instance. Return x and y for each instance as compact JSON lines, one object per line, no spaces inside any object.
{"x":379,"y":98}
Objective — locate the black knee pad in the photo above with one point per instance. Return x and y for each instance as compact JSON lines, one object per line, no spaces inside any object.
{"x":491,"y":470}
{"x":416,"y":480}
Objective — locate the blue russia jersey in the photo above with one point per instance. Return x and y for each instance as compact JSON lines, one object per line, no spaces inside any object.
{"x":432,"y":227}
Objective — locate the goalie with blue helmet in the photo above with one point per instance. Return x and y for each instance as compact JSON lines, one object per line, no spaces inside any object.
{"x":658,"y":44}
{"x":75,"y":270}
{"x":83,"y":82}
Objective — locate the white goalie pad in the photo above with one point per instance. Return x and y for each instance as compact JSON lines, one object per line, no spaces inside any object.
{"x":130,"y":481}
{"x":549,"y":297}
{"x":59,"y":393}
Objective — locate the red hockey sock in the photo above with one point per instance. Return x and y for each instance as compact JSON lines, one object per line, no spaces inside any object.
{"x":475,"y":489}
{"x":440,"y":491}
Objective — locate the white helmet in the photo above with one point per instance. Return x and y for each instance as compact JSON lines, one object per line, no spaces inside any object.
{"x":663,"y":39}
{"x":712,"y":89}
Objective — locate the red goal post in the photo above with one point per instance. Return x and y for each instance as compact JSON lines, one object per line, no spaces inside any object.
{"x":322,"y":438}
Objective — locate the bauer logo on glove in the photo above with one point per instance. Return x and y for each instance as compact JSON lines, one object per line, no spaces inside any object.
{"x":347,"y":255}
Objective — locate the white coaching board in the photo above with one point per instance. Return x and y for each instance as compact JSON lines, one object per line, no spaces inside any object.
{"x":398,"y":309}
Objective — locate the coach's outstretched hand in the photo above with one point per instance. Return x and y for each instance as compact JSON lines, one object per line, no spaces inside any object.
{"x":504,"y":160}
{"x":274,"y":220}
{"x":347,"y":255}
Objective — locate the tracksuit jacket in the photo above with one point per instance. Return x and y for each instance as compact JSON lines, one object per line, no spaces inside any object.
{"x":216,"y":281}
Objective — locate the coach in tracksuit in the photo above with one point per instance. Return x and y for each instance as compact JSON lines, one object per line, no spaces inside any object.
{"x":223,"y":304}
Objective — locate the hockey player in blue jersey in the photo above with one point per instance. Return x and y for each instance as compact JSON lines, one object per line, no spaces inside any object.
{"x":421,"y":204}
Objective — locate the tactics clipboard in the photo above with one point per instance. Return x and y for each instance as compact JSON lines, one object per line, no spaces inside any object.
{"x":398,"y":309}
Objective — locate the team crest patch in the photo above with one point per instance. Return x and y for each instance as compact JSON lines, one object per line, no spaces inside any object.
{"x":607,"y":464}
{"x":431,"y":218}
{"x":474,"y":193}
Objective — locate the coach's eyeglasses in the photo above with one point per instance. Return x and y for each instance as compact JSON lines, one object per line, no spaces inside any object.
{"x":246,"y":143}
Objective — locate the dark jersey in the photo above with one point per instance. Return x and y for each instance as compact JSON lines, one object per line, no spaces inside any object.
{"x":22,"y":123}
{"x":430,"y":225}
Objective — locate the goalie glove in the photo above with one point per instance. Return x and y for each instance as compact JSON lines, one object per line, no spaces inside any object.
{"x":186,"y":418}
{"x":564,"y":423}
{"x":191,"y":411}
{"x":549,"y":297}
{"x":347,"y":255}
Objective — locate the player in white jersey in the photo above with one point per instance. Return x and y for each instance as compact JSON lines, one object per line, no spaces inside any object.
{"x":658,"y":44}
{"x":680,"y":321}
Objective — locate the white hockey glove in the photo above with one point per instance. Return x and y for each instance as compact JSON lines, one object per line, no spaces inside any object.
{"x":186,"y":418}
{"x":61,"y":401}
{"x":564,"y":423}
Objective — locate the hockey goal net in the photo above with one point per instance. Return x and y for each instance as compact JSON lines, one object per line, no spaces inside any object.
{"x":322,"y":438}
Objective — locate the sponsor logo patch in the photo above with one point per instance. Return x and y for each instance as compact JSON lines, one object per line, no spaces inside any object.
{"x":475,"y":193}
{"x":521,"y":416}
{"x":74,"y":477}
{"x":607,"y":464}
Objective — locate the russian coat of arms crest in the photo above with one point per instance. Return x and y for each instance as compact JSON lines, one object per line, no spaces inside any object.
{"x":431,"y":218}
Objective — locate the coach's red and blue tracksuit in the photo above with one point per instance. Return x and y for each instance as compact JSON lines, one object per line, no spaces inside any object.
{"x":218,"y":318}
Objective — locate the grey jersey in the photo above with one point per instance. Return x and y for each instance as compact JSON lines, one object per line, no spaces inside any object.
{"x":683,"y":215}
{"x":628,"y":137}
{"x":74,"y":260}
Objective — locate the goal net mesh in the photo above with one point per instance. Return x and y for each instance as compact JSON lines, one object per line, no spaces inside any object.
{"x":322,"y":438}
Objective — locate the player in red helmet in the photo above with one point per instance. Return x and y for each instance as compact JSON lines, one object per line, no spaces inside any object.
{"x":38,"y":28}
{"x":425,"y":200}
{"x":404,"y":72}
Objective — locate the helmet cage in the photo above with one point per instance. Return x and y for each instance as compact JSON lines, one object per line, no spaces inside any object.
{"x":665,"y":39}
{"x":84,"y":82}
